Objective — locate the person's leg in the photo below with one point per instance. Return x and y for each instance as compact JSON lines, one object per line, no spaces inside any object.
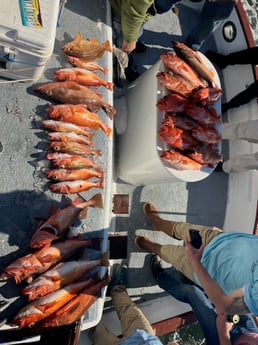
{"x":173,"y":254}
{"x":100,"y":335}
{"x":241,"y":163}
{"x":242,"y":57}
{"x":211,"y":17}
{"x":247,"y":130}
{"x":178,"y":230}
{"x":243,"y":97}
{"x":174,"y":283}
{"x":131,"y":317}
{"x":163,"y":6}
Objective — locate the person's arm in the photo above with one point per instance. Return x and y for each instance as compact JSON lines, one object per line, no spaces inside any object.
{"x":229,"y":304}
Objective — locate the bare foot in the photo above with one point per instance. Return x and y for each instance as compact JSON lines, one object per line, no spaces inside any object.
{"x":158,"y":223}
{"x":145,"y":244}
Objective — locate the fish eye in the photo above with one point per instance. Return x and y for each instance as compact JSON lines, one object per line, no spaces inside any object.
{"x":56,"y":148}
{"x":49,"y":92}
{"x":54,"y":177}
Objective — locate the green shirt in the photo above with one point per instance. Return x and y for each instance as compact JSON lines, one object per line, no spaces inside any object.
{"x":133,"y":14}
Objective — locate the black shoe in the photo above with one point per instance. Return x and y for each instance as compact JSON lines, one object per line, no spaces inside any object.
{"x":132,"y":73}
{"x":218,"y":59}
{"x":140,"y":48}
{"x":155,"y":264}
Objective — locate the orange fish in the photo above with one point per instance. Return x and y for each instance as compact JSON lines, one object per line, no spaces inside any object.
{"x":62,"y":274}
{"x":205,"y":155}
{"x":79,"y":115}
{"x":89,"y":49}
{"x":181,"y":121}
{"x":176,"y":137}
{"x":66,"y":161}
{"x":206,"y":135}
{"x":207,"y":95}
{"x":180,"y":67}
{"x":76,"y":307}
{"x":24,"y":268}
{"x":57,"y":225}
{"x":72,"y":148}
{"x":70,"y":92}
{"x":173,"y":103}
{"x":179,"y":161}
{"x":65,"y":127}
{"x":175,"y":83}
{"x":71,"y":187}
{"x":203,"y":115}
{"x":192,"y":58}
{"x":45,"y":306}
{"x":69,"y":136}
{"x":72,"y":174}
{"x":89,"y":65}
{"x":82,"y":77}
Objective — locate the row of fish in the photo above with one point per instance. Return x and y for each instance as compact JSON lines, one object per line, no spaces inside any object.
{"x":72,"y":122}
{"x":189,"y":123}
{"x":60,"y":288}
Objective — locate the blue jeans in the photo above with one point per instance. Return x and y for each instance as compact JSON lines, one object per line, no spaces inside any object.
{"x":211,"y":16}
{"x":174,"y":283}
{"x":163,"y":6}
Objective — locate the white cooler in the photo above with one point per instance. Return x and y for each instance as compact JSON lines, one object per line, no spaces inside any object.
{"x":139,"y":147}
{"x":27,"y":37}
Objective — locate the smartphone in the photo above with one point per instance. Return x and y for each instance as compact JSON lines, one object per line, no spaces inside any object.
{"x":196,"y":239}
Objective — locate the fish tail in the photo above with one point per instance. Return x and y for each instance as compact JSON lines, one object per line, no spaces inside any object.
{"x":110,"y":111}
{"x":98,"y":201}
{"x":109,"y":86}
{"x":96,"y":152}
{"x":107,"y":46}
{"x":105,"y":259}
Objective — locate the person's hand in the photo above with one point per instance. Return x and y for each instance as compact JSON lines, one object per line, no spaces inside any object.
{"x":223,"y":326}
{"x":193,"y":254}
{"x":128,"y":47}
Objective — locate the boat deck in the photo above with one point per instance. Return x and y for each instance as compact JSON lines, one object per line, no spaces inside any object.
{"x":203,"y":202}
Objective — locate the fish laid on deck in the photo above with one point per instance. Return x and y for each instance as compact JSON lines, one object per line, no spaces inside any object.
{"x":62,"y":274}
{"x":57,"y":225}
{"x":70,"y":92}
{"x":72,"y":187}
{"x":76,"y":307}
{"x":73,"y":174}
{"x":88,"y":65}
{"x":66,"y":161}
{"x":24,"y":268}
{"x":65,"y":127}
{"x":70,"y":136}
{"x":45,"y":306}
{"x":87,"y":50}
{"x":83,"y":77}
{"x":79,"y":115}
{"x":72,"y":148}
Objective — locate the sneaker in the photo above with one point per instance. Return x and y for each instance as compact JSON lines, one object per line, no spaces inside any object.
{"x":155,"y":264}
{"x":140,"y":47}
{"x":120,"y":275}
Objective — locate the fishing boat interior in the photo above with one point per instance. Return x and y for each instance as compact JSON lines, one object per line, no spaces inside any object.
{"x":134,"y":172}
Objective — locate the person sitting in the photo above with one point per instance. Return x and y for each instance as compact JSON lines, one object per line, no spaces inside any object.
{"x":136,"y":329}
{"x":225,"y":266}
{"x":215,"y":326}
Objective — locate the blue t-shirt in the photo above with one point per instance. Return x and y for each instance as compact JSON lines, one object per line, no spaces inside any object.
{"x":231,"y":259}
{"x":140,"y":337}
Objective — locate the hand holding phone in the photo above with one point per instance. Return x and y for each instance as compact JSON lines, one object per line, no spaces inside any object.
{"x":196,"y":239}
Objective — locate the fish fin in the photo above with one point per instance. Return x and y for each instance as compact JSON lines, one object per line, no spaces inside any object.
{"x":105,"y":259}
{"x":97,"y":152}
{"x":109,"y":86}
{"x":78,"y":38}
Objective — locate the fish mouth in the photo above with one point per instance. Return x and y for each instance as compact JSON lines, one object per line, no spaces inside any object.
{"x":49,"y":228}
